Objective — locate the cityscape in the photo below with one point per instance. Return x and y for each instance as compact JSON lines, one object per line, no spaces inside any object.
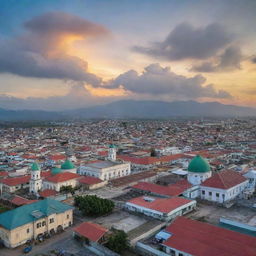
{"x":127,"y":128}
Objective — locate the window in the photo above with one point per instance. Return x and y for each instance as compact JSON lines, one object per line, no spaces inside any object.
{"x":68,"y":216}
{"x":217,"y":195}
{"x":38,"y":225}
{"x":203,"y":192}
{"x":43,"y":223}
{"x":181,"y":254}
{"x":27,"y":230}
{"x":210,"y":193}
{"x":51,"y":220}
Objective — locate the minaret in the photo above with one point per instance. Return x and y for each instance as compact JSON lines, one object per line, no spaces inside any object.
{"x":35,"y":183}
{"x":112,"y":153}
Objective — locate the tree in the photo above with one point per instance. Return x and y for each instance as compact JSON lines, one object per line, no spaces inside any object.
{"x":92,"y":205}
{"x":118,"y":241}
{"x":153,"y":152}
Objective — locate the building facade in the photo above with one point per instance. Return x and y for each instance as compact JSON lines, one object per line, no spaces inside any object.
{"x":36,"y":219}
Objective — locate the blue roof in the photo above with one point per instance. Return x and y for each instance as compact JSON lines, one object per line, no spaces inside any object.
{"x":31,"y":212}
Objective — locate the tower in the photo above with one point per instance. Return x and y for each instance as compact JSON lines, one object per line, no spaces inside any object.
{"x":112,"y":153}
{"x":198,"y":170}
{"x":35,"y":183}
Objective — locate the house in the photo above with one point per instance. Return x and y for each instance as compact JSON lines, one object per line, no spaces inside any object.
{"x":34,"y":220}
{"x":89,"y":183}
{"x":223,"y":186}
{"x":56,"y":181}
{"x":190,"y":237}
{"x":10,"y":185}
{"x":164,"y":209}
{"x":90,"y":231}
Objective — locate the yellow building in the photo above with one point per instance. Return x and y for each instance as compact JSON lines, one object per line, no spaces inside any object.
{"x":34,"y":220}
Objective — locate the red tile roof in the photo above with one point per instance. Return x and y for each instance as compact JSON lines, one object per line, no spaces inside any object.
{"x":61,"y":177}
{"x":16,"y":181}
{"x":150,"y":160}
{"x":171,"y":190}
{"x":92,"y":231}
{"x":164,"y":205}
{"x":57,"y":157}
{"x":2,"y":174}
{"x":224,"y":180}
{"x":47,"y":193}
{"x":201,"y":239}
{"x":18,"y":200}
{"x":90,"y":180}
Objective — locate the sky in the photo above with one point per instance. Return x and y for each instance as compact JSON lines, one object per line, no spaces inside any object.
{"x":62,"y":54}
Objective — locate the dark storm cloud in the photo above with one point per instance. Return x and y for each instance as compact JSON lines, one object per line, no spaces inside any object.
{"x":60,"y":22}
{"x":186,"y":41}
{"x":157,"y":80}
{"x":40,"y":51}
{"x":229,"y":60}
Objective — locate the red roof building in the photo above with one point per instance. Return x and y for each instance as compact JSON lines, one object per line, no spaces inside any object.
{"x":62,"y":177}
{"x":224,"y":180}
{"x":168,"y":191}
{"x":47,"y":193}
{"x":161,"y":208}
{"x":202,"y":239}
{"x":91,"y":231}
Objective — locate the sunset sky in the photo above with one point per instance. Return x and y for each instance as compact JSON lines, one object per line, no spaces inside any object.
{"x":62,"y":54}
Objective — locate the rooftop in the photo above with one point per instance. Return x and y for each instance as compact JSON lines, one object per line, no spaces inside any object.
{"x":24,"y":214}
{"x":164,"y":205}
{"x":90,"y":230}
{"x":224,"y":180}
{"x":199,"y":238}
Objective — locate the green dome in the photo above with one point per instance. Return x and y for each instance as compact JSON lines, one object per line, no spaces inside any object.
{"x":112,"y":146}
{"x":35,"y":167}
{"x":198,"y":164}
{"x":67,"y":165}
{"x":55,"y":170}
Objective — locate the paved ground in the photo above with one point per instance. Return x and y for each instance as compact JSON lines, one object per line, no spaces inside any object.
{"x":212,"y":213}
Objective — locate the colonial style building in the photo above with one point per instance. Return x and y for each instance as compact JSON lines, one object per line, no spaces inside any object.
{"x":33,"y":220}
{"x":223,"y":186}
{"x":108,"y":169}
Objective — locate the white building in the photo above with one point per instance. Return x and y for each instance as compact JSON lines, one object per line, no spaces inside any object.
{"x":161,"y":208}
{"x":223,"y":186}
{"x":108,"y":169}
{"x":35,"y":183}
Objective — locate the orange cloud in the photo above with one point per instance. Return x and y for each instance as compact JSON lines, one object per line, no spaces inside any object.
{"x":105,"y":92}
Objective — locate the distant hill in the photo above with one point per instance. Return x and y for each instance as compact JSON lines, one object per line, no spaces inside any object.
{"x":160,"y":109}
{"x":134,"y":109}
{"x":29,"y":115}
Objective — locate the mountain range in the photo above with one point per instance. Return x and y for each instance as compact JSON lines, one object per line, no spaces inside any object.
{"x":134,"y":109}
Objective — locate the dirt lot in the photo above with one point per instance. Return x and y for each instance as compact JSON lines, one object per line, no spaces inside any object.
{"x":212,"y":214}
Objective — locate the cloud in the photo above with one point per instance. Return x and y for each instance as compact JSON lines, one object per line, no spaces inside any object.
{"x":188,"y":42}
{"x":229,"y":60}
{"x":253,"y":59}
{"x":156,"y":80}
{"x":42,"y":50}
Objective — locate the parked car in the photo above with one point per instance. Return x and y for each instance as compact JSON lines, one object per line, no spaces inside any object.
{"x":27,"y":249}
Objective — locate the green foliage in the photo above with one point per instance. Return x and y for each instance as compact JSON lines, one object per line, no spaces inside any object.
{"x":153,"y":152}
{"x":92,"y":205}
{"x":118,"y":241}
{"x":67,"y":189}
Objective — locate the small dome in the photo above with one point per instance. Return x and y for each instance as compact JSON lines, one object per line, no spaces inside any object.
{"x":35,"y":167}
{"x":55,"y":170}
{"x":67,"y":165}
{"x":112,"y":146}
{"x":198,"y":164}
